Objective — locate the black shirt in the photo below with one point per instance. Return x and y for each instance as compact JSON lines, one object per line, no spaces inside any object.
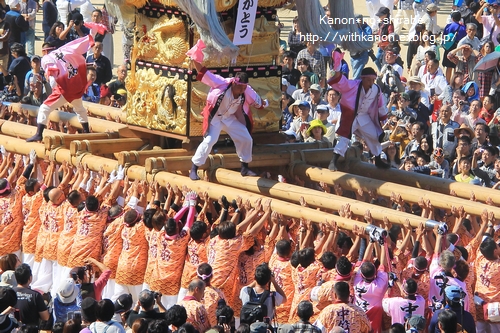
{"x":17,"y":25}
{"x":148,"y":315}
{"x":115,"y":85}
{"x":29,"y":303}
{"x":103,"y":68}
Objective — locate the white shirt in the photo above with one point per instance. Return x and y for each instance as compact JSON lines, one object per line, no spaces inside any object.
{"x":300,"y":95}
{"x":475,"y":42}
{"x":335,"y":114}
{"x":422,"y":71}
{"x":434,"y":81}
{"x":229,"y":105}
{"x":365,"y":101}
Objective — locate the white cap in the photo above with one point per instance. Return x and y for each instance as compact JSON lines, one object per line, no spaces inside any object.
{"x":284,"y":82}
{"x":67,"y":291}
{"x":14,"y":3}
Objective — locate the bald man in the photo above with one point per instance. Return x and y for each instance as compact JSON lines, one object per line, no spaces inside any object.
{"x":119,"y":83}
{"x":196,"y":312}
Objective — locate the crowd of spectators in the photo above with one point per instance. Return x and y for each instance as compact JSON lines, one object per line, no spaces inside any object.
{"x":23,"y":80}
{"x":442,"y":112}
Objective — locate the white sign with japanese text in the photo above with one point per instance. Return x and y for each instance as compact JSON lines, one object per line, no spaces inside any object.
{"x":247,"y":10}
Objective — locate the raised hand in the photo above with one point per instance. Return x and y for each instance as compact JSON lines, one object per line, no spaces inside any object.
{"x":32,"y":156}
{"x":266,"y":207}
{"x":368,"y":217}
{"x":120,"y":174}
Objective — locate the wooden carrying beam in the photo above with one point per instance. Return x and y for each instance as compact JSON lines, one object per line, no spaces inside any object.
{"x":140,"y":157}
{"x":102,"y":147}
{"x":103,"y":110}
{"x":94,"y":108}
{"x":97,"y":125}
{"x":409,"y":194}
{"x":228,"y":161}
{"x":22,"y":131}
{"x":163,"y":178}
{"x":416,"y":180}
{"x":53,"y":141}
{"x":284,"y":191}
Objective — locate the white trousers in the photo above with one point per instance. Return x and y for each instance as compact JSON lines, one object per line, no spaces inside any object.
{"x":59,"y":274}
{"x":28,"y":258}
{"x":109,"y":290}
{"x":236,"y":130}
{"x":121,"y":289}
{"x":367,"y":132}
{"x":182,"y":293}
{"x":169,"y":300}
{"x":44,"y":276}
{"x":45,"y":110}
{"x":402,"y":20}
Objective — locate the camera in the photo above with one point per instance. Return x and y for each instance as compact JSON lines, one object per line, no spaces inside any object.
{"x":221,"y":320}
{"x":442,"y":227}
{"x":156,"y":294}
{"x":376,"y":234}
{"x":392,"y":279}
{"x":77,"y":22}
{"x":74,"y":276}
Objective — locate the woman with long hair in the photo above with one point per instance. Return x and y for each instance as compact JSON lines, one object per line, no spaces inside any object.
{"x":58,"y":35}
{"x":392,"y":155}
{"x":426,"y":43}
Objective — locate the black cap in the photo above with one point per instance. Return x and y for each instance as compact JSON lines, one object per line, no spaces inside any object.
{"x":123,"y":303}
{"x":383,"y":11}
{"x":77,"y":17}
{"x":8,"y":297}
{"x":414,"y":97}
{"x":88,"y":309}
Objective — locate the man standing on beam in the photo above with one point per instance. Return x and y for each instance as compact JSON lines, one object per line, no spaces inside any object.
{"x":363,"y":108}
{"x":228,"y":110}
{"x":67,"y":67}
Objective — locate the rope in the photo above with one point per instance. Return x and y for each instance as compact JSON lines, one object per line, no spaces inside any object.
{"x":88,"y":144}
{"x":80,"y":157}
{"x":53,"y":153}
{"x":221,"y":158}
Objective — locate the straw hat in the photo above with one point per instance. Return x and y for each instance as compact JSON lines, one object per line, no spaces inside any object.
{"x":466,"y":128}
{"x":417,"y":80}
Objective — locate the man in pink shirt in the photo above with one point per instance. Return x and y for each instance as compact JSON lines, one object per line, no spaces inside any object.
{"x":441,"y":276}
{"x":401,"y":309}
{"x":370,"y":286}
